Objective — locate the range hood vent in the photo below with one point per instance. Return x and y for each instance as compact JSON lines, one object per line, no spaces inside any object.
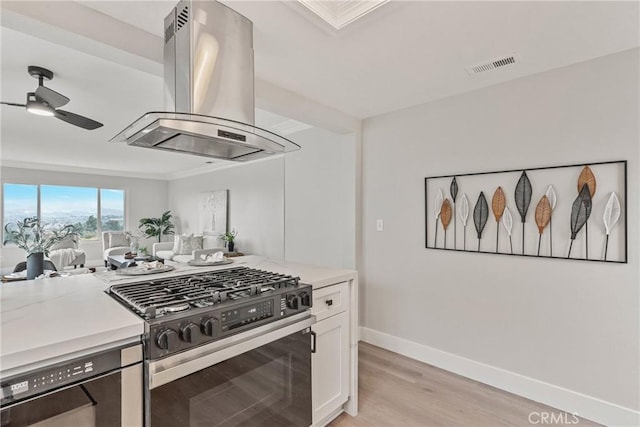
{"x":209,"y":89}
{"x":183,"y":17}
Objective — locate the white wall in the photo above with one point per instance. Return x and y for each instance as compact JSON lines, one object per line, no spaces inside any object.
{"x":256,"y":204}
{"x":566,"y":323}
{"x":143,"y":198}
{"x":320,"y":200}
{"x":299,"y":207}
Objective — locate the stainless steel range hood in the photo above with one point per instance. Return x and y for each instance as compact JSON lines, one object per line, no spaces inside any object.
{"x":209,"y":89}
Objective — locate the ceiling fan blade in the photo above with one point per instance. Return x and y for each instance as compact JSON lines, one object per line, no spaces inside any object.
{"x":13,"y":104}
{"x":51,"y":97}
{"x":77,"y":120}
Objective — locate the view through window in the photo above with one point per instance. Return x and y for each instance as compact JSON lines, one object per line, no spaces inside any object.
{"x":90,"y":210}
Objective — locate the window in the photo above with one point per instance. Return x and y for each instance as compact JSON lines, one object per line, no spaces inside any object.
{"x":112,"y":210}
{"x":60,"y":206}
{"x":20,"y":201}
{"x":91,"y":210}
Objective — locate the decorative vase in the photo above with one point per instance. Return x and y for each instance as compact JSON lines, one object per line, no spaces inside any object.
{"x":35,"y":265}
{"x":230,"y":246}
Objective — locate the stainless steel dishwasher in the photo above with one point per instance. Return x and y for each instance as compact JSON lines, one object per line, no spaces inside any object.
{"x":103,"y":388}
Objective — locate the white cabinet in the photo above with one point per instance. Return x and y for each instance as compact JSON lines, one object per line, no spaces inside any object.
{"x":330,"y":366}
{"x":330,"y":363}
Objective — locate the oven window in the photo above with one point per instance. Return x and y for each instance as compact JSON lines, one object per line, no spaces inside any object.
{"x":269,"y":386}
{"x":94,"y":403}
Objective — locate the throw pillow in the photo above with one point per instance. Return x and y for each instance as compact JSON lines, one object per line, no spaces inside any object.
{"x":185,"y":244}
{"x":197,"y":243}
{"x":118,"y":239}
{"x":177,"y":243}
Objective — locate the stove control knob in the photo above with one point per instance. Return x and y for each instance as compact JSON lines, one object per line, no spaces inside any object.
{"x":167,"y":339}
{"x":210,"y":326}
{"x":188,"y":332}
{"x":293,"y":301}
{"x":306,"y":299}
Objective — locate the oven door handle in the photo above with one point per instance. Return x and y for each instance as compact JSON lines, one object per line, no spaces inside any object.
{"x":180,"y":365}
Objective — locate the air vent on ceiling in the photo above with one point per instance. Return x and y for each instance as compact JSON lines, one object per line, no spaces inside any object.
{"x":492,"y":65}
{"x":183,"y":17}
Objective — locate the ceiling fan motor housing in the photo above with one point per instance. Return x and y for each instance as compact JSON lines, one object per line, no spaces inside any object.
{"x":39,"y":72}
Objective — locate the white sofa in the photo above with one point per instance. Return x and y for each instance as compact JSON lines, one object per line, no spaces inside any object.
{"x":165,"y":250}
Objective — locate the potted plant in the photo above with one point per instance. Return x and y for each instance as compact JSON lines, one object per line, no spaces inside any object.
{"x":30,"y":235}
{"x":156,"y":227}
{"x":229,"y":238}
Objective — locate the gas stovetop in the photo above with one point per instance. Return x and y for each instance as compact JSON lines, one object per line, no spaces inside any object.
{"x":161,"y":297}
{"x":192,"y":309}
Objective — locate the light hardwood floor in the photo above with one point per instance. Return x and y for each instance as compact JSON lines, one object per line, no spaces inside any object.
{"x":396,"y":391}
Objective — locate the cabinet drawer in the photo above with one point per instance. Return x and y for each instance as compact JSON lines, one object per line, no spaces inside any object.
{"x":331,"y":300}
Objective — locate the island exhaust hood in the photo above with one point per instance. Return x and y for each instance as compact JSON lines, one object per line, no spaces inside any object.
{"x":209,"y":89}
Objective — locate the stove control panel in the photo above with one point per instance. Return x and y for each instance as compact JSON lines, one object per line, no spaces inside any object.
{"x":243,"y":315}
{"x":191,"y":330}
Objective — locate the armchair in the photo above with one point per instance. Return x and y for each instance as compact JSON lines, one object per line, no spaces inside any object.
{"x":67,"y":252}
{"x":114,"y":243}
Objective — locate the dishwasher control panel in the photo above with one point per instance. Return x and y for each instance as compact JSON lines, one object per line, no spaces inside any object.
{"x":57,"y":375}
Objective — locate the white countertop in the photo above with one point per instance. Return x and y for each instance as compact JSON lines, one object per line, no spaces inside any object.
{"x":46,"y":320}
{"x":49,"y":318}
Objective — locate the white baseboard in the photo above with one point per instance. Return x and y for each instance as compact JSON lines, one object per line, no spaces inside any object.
{"x":561,"y":398}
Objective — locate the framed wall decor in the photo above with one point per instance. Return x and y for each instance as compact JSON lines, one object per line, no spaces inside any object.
{"x":567,"y":212}
{"x":212,"y":211}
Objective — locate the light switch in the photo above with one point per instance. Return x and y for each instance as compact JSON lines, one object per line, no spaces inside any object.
{"x":379,"y":225}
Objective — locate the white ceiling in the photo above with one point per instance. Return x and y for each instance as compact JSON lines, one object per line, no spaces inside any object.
{"x":402,"y":54}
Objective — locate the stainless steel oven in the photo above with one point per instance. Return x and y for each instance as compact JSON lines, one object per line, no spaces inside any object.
{"x":99,"y":389}
{"x":260,"y":377}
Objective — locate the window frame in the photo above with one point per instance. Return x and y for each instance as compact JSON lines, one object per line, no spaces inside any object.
{"x":98,"y":205}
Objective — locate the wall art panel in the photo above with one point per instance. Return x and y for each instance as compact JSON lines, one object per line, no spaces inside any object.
{"x":212,"y":213}
{"x":566,"y":212}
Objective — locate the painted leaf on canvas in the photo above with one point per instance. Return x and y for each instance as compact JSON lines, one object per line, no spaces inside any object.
{"x":498,"y":203}
{"x":454,"y":189}
{"x":438,"y":206}
{"x":551,"y":195}
{"x":523,"y":195}
{"x":507,"y":221}
{"x":611,"y":213}
{"x":463,"y":209}
{"x":585,"y":193}
{"x":543,"y":214}
{"x":481,"y":214}
{"x":587,"y":177}
{"x":580,"y":210}
{"x":445,"y":213}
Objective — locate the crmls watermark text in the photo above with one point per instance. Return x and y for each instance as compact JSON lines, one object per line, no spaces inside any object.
{"x":553,"y":418}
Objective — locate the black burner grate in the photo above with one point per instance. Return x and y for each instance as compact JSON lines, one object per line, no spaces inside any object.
{"x":154,"y":298}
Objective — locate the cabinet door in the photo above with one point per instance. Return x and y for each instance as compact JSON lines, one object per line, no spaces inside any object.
{"x":330,"y":365}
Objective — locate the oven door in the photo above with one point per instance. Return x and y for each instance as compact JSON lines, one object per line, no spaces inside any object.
{"x":261,"y":377}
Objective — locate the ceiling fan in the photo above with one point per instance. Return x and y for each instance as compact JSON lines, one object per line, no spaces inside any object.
{"x":45,"y":102}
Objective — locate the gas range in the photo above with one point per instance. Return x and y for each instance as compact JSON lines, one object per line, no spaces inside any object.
{"x":187,"y":311}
